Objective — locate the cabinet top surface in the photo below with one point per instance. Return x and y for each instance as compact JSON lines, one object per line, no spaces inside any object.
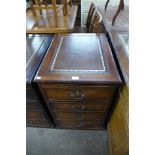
{"x":121,"y":45}
{"x":33,"y":43}
{"x":78,"y":58}
{"x":36,"y":46}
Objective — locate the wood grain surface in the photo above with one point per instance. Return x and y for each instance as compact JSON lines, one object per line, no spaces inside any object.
{"x":48,"y":23}
{"x":78,"y":80}
{"x":86,"y":56}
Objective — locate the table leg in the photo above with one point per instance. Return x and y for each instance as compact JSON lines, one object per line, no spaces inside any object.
{"x":55,"y":11}
{"x":32,"y":9}
{"x":120,"y":7}
{"x":54,"y":7}
{"x":64,"y":3}
{"x":38,"y":4}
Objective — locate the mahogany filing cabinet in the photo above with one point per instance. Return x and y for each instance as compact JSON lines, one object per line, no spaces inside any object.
{"x":78,"y":80}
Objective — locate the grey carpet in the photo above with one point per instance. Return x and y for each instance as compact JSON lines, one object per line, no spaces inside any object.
{"x":42,"y":141}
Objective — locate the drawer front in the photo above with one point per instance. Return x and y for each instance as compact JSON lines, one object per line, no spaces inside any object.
{"x":80,"y":124}
{"x":36,"y":119}
{"x":30,"y":94}
{"x":35,"y":115}
{"x":79,"y":106}
{"x":79,"y":116}
{"x":59,"y":92}
{"x":37,"y":123}
{"x":33,"y":105}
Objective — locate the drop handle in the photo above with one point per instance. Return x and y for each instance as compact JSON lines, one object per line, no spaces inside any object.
{"x":76,"y":95}
{"x":78,"y":108}
{"x":78,"y":116}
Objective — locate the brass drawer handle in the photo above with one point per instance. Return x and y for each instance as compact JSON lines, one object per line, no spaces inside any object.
{"x":76,"y":95}
{"x":78,"y":108}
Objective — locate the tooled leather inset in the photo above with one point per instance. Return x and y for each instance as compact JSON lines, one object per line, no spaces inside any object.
{"x":78,"y":55}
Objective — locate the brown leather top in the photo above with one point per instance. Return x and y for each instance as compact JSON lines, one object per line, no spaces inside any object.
{"x":74,"y":54}
{"x":85,"y":56}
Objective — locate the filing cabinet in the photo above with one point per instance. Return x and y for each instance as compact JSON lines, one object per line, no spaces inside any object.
{"x":79,"y":80}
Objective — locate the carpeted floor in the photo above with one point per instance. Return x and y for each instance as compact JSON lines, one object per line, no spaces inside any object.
{"x":66,"y":142}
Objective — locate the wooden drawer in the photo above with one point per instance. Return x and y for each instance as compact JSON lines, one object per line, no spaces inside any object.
{"x":63,"y":92}
{"x":79,"y":105}
{"x":35,"y":115}
{"x":80,"y":124}
{"x":37,"y":123}
{"x":83,"y":116}
{"x":30,"y":94}
{"x":33,"y":105}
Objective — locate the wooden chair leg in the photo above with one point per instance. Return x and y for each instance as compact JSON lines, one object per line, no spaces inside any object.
{"x":106,"y":5}
{"x":120,"y":7}
{"x":70,"y":3}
